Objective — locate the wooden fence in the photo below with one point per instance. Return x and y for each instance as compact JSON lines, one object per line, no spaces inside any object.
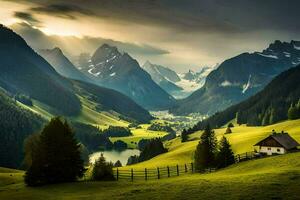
{"x":245,"y":156}
{"x":170,"y":171}
{"x":155,"y":173}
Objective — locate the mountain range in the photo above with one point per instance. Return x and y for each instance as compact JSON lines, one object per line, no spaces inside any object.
{"x":269,"y":106}
{"x":176,"y":84}
{"x":163,"y":76}
{"x":240,"y":77}
{"x":23,"y":71}
{"x":62,"y":64}
{"x":112,"y":69}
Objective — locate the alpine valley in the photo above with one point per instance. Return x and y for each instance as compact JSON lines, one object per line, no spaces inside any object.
{"x":129,"y":99}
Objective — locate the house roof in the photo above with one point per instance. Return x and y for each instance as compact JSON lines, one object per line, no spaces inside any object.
{"x":283,"y":139}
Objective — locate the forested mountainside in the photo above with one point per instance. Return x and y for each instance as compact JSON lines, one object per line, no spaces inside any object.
{"x":15,"y":125}
{"x":23,"y":71}
{"x":240,"y":77}
{"x":269,"y":106}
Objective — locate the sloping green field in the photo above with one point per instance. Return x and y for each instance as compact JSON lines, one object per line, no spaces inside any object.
{"x":242,"y":140}
{"x":138,"y":134}
{"x":88,"y":114}
{"x":275,"y":177}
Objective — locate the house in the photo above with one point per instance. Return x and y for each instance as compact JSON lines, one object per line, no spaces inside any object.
{"x":277,"y":143}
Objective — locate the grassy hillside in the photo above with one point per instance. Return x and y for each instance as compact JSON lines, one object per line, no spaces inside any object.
{"x":138,"y":134}
{"x":87,"y":114}
{"x":270,"y":178}
{"x":242,"y":140}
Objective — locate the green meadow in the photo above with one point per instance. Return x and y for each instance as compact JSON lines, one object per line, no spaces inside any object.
{"x":242,"y":140}
{"x":275,"y":177}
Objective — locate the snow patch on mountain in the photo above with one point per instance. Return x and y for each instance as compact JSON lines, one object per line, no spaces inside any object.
{"x":268,"y":56}
{"x":226,"y":84}
{"x":247,"y":86}
{"x":296,"y":47}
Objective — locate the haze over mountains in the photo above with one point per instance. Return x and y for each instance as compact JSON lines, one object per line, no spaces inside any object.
{"x":240,"y":77}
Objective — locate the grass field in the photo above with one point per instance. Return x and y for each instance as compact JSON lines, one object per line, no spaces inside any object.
{"x":275,"y":177}
{"x":138,"y":134}
{"x":88,"y":114}
{"x":242,"y":140}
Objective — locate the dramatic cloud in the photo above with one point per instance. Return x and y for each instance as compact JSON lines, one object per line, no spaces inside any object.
{"x":62,"y":10}
{"x":73,"y":46}
{"x":27,"y":17}
{"x":184,"y":33}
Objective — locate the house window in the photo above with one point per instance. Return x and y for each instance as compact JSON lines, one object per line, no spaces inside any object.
{"x":278,"y":150}
{"x":269,"y":148}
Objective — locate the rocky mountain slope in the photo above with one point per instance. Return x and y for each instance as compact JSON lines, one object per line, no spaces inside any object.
{"x":110,"y":68}
{"x":240,"y":77}
{"x":62,"y":64}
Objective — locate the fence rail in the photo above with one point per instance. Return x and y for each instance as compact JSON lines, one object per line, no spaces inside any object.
{"x":155,"y":173}
{"x":246,"y":156}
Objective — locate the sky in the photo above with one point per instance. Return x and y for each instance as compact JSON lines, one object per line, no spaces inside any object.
{"x":180,"y":34}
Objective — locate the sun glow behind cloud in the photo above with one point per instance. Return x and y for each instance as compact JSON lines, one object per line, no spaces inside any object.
{"x":195,"y":33}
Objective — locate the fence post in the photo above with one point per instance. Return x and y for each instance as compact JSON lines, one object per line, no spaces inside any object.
{"x":177,"y":170}
{"x":185,"y":168}
{"x":131,"y":174}
{"x":158,"y":175}
{"x":117,"y":174}
{"x":146,"y":174}
{"x":192,"y":166}
{"x":168,"y":169}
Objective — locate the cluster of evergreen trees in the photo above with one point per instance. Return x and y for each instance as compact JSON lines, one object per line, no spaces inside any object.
{"x":15,"y":125}
{"x":294,"y":111}
{"x":160,"y":127}
{"x":210,"y":154}
{"x":149,"y":149}
{"x":117,"y":131}
{"x":91,"y":137}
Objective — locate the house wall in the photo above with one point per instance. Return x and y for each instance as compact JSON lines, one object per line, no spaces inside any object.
{"x":272,"y":150}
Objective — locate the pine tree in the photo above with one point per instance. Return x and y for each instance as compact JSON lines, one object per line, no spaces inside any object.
{"x":184,"y":136}
{"x":293,"y":112}
{"x":118,"y":164}
{"x":225,"y":155}
{"x":102,"y":170}
{"x":57,"y":158}
{"x":205,"y":152}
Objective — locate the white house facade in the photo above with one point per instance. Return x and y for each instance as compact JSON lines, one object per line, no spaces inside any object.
{"x":272,"y":150}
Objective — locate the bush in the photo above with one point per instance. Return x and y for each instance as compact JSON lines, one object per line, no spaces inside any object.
{"x":230,"y":125}
{"x":118,"y":164}
{"x":132,"y":160}
{"x":228,"y":130}
{"x":102,"y":170}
